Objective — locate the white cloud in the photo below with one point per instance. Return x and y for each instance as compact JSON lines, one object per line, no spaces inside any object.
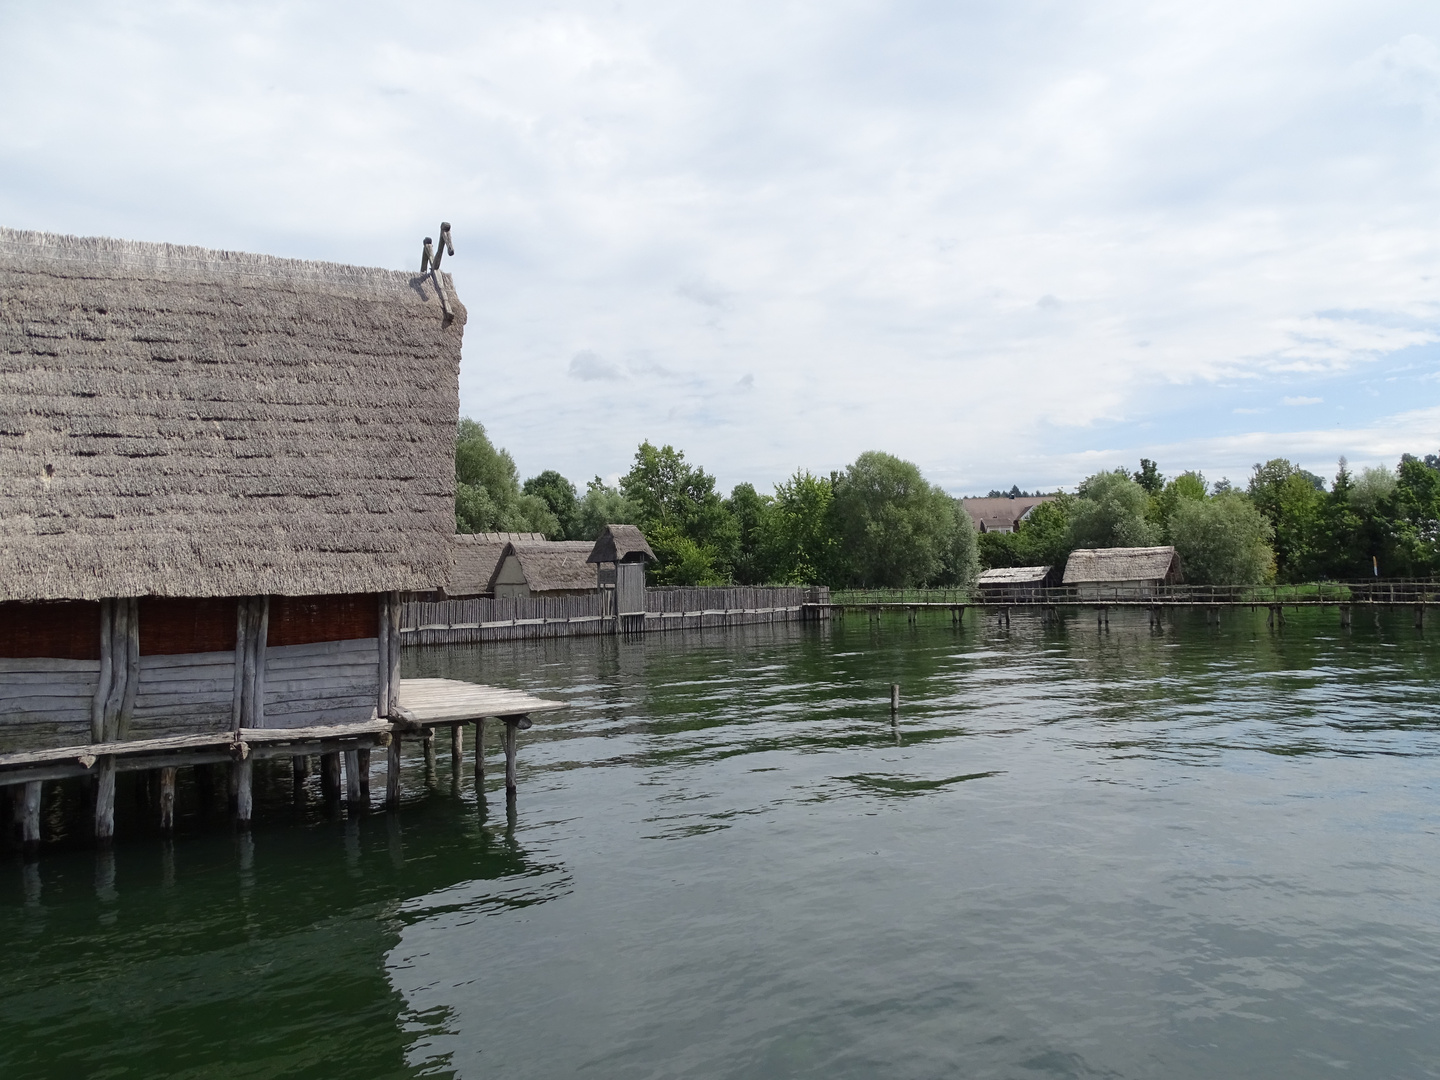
{"x":1301,"y":401}
{"x":870,"y":207}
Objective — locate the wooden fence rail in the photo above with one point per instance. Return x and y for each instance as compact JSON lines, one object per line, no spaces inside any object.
{"x":480,"y":619}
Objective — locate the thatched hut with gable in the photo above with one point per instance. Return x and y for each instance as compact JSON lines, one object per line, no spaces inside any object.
{"x":218,"y":471}
{"x":1122,"y":573}
{"x":529,"y":568}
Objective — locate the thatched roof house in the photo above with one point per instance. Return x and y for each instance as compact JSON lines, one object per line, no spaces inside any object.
{"x":1015,"y":583}
{"x":543,"y":568}
{"x":217,"y":470}
{"x":621,"y":544}
{"x":1002,"y":514}
{"x":477,"y":555}
{"x":1121,"y":572}
{"x":182,"y":422}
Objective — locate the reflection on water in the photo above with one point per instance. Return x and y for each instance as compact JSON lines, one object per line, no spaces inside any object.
{"x":1184,"y":851}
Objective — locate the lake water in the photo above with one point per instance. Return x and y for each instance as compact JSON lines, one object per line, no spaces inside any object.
{"x":1193,"y":852}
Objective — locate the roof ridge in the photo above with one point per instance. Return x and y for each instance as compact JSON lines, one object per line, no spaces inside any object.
{"x":28,"y":247}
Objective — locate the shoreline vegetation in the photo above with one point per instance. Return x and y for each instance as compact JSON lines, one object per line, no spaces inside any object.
{"x":879,"y":524}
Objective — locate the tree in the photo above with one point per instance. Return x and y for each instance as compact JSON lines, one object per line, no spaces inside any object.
{"x":560,"y":497}
{"x":1188,"y":486}
{"x":602,"y":505}
{"x":1110,"y":512}
{"x":1223,"y":541}
{"x":751,"y":512}
{"x":1149,"y":477}
{"x":1291,"y":499}
{"x":1413,"y":510}
{"x":895,"y":529}
{"x":695,"y":538}
{"x":487,"y":488}
{"x":800,"y":542}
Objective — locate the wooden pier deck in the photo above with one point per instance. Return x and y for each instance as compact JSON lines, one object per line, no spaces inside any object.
{"x":424,"y":705}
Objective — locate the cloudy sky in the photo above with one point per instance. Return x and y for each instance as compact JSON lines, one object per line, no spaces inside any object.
{"x":1013,"y":242}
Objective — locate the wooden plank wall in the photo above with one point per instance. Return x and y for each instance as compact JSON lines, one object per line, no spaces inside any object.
{"x":322,"y":682}
{"x":46,"y":701}
{"x":482,"y":619}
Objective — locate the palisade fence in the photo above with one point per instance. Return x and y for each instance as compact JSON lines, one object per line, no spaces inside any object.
{"x":479,"y":619}
{"x":1363,"y":591}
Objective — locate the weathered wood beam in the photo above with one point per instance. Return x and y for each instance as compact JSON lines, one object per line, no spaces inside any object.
{"x":167,"y":798}
{"x":29,"y":806}
{"x":330,"y":776}
{"x":512,"y":728}
{"x":392,"y":774}
{"x":480,"y":754}
{"x":244,"y":790}
{"x":352,"y":776}
{"x":105,"y":800}
{"x":457,"y":745}
{"x":362,"y":758}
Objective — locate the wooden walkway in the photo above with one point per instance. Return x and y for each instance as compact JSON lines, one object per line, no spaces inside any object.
{"x":424,"y":705}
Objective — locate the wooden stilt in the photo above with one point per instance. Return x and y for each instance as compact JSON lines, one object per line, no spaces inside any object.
{"x":392,"y":773}
{"x":29,"y":804}
{"x":330,"y":777}
{"x":480,"y":754}
{"x":512,"y":727}
{"x":167,"y":799}
{"x":362,"y":759}
{"x":105,"y":799}
{"x":427,"y":738}
{"x":300,"y":767}
{"x":244,"y":793}
{"x":457,"y":745}
{"x":352,"y":776}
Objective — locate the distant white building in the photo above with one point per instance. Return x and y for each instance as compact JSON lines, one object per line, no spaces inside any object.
{"x":1003,"y":514}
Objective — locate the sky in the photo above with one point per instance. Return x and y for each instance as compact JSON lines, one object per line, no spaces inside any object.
{"x":1014,"y":243}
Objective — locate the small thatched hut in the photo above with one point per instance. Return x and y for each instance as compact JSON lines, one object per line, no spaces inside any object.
{"x":217,"y":473}
{"x":477,"y":556}
{"x":1122,"y":573}
{"x":543,"y":568}
{"x":620,"y":555}
{"x":1016,"y":584}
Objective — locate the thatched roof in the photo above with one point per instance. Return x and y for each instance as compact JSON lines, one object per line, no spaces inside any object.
{"x":1122,"y":564}
{"x":1014,"y":575}
{"x":551,"y":565}
{"x":182,"y":422}
{"x":621,"y":543}
{"x":476,"y":556}
{"x":1001,"y":514}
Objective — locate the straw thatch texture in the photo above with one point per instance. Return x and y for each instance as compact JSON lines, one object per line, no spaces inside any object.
{"x":476,"y":557}
{"x":548,"y":566}
{"x":1150,"y":564}
{"x":1015,"y":575}
{"x":621,"y":543}
{"x":183,"y":422}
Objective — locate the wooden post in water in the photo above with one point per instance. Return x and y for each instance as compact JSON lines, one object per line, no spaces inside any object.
{"x":1345,"y":616}
{"x":167,"y":799}
{"x":392,"y":773}
{"x":352,"y":777}
{"x":105,"y":799}
{"x":330,"y":777}
{"x":427,"y":740}
{"x":457,"y":746}
{"x":244,"y":793}
{"x":894,"y":698}
{"x":29,"y":807}
{"x":300,"y":767}
{"x":1419,"y":616}
{"x":512,"y":728}
{"x":480,"y":755}
{"x":362,"y":763}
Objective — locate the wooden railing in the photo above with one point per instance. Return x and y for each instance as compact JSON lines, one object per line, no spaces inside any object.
{"x":476,"y":619}
{"x":1386,"y":591}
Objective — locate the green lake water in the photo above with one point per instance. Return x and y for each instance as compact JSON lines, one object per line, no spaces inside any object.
{"x":1191,"y":852}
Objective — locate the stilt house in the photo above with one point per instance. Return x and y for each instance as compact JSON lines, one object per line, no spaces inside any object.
{"x":1122,"y":573}
{"x":620,"y":555}
{"x":218,"y":472}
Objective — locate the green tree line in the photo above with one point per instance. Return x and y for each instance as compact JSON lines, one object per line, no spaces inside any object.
{"x":879,"y":522}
